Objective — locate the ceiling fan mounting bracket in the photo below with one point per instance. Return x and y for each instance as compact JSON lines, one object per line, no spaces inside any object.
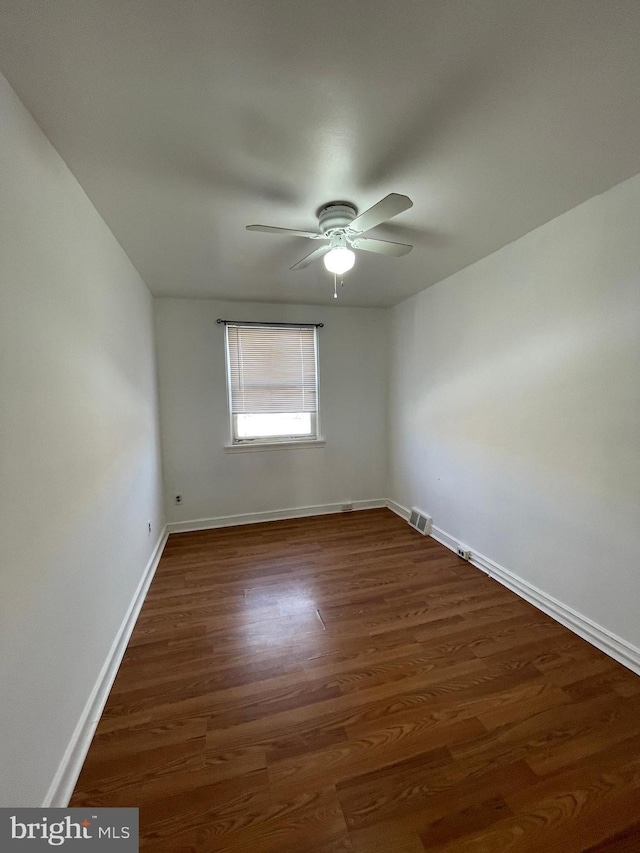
{"x":335,"y":216}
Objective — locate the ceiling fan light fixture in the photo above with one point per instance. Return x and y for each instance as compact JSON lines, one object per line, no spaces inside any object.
{"x":339,"y":260}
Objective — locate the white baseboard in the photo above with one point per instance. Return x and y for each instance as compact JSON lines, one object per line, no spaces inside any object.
{"x":617,"y":648}
{"x":444,"y":538}
{"x":400,"y":510}
{"x":274,"y":515}
{"x":64,"y":781}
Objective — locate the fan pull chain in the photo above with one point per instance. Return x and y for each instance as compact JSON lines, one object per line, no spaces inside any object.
{"x":335,"y":285}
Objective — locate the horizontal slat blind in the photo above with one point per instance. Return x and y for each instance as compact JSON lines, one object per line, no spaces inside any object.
{"x":272,"y":369}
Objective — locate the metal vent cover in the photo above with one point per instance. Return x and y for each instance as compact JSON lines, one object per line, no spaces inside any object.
{"x":420,"y":521}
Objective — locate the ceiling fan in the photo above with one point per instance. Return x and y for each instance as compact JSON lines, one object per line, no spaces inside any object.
{"x":341,"y":229}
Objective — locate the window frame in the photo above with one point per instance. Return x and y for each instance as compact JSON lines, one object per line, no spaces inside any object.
{"x":312,"y":439}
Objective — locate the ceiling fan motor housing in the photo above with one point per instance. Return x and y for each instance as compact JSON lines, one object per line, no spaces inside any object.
{"x":337,"y":214}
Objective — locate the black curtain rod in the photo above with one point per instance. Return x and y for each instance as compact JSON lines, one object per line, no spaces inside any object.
{"x":286,"y":325}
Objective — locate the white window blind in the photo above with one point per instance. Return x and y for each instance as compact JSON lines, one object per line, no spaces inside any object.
{"x":272,"y":372}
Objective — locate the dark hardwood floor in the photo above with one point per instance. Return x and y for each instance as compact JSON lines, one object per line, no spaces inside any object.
{"x":342,"y":683}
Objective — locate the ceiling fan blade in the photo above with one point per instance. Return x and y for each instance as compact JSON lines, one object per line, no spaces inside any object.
{"x":391,"y":205}
{"x":317,"y":253}
{"x":291,"y":232}
{"x":382,"y":247}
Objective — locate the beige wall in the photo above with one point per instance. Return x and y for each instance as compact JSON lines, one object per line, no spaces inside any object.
{"x":515,"y":408}
{"x":352,"y":354}
{"x":79,"y":451}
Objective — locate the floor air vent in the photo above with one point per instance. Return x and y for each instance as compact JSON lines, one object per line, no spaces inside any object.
{"x":421,"y":522}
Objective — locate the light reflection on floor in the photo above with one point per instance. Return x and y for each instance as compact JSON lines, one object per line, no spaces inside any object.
{"x":297,"y":610}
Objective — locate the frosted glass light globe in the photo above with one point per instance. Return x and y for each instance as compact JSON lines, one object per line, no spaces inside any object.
{"x":339,"y":260}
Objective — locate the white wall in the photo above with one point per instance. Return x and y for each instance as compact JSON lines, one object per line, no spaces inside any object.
{"x":79,"y":452}
{"x":515,"y":407}
{"x":194,"y":416}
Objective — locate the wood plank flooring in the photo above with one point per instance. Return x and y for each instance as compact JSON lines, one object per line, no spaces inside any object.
{"x":341,"y":683}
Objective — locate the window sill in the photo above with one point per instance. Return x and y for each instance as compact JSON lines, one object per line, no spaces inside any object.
{"x":258,"y":446}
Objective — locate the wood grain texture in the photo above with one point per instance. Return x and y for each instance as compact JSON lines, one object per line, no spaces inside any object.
{"x":342,"y":683}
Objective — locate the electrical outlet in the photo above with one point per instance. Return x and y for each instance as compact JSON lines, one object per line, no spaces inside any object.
{"x":178,"y":499}
{"x":347,"y":507}
{"x":466,"y":555}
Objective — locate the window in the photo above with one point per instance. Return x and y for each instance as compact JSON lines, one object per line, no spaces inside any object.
{"x":272,"y":382}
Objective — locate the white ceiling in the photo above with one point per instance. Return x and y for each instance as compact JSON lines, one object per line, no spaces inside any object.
{"x":185,"y":120}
